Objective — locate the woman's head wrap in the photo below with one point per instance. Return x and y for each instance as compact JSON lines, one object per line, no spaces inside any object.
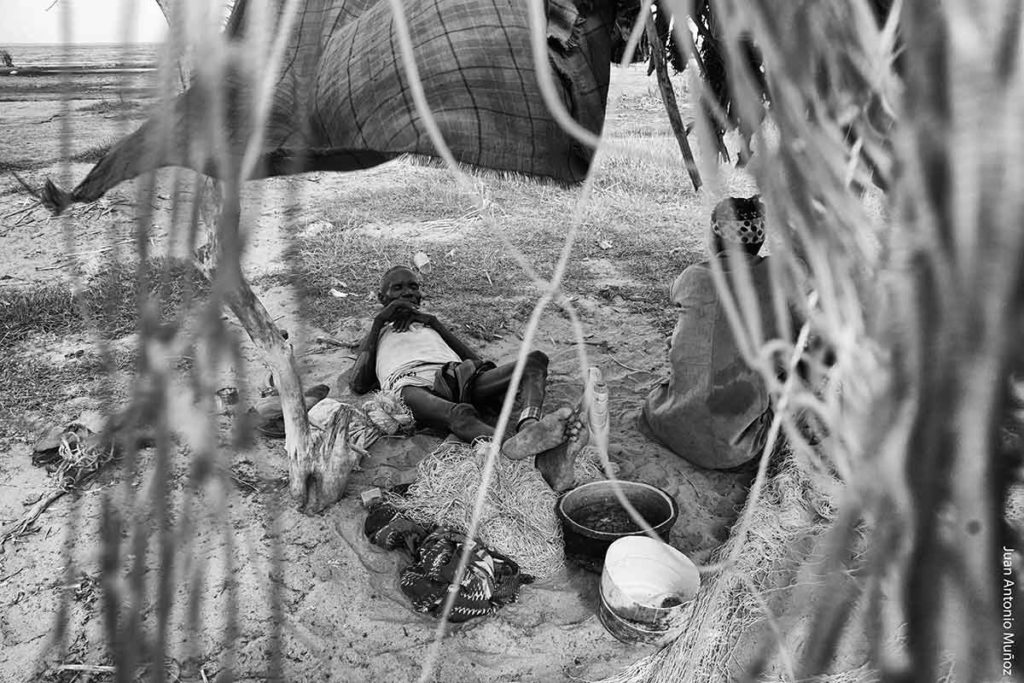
{"x":739,"y":220}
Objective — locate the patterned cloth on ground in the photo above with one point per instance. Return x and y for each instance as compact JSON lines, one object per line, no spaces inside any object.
{"x":490,"y":581}
{"x":389,"y":529}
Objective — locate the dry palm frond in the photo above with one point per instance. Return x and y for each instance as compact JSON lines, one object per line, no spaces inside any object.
{"x":919,"y":302}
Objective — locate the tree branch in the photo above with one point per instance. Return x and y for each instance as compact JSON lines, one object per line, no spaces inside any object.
{"x":668,"y":96}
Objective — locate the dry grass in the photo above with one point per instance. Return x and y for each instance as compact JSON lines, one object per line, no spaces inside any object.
{"x":36,"y":386}
{"x":118,"y":109}
{"x":474,"y":280}
{"x":41,"y":316}
{"x":6,"y":166}
{"x":108,"y":301}
{"x":112,"y":294}
{"x":43,"y":308}
{"x":92,"y":154}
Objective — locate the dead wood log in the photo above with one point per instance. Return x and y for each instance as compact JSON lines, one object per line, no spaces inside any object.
{"x":328,"y":460}
{"x":318,"y":463}
{"x":316,"y":480}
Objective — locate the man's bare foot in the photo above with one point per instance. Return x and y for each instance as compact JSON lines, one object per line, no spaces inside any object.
{"x":557,"y":465}
{"x":538,"y":436}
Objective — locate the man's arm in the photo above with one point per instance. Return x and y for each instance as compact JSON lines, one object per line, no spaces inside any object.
{"x":364,"y":372}
{"x":449,"y":338}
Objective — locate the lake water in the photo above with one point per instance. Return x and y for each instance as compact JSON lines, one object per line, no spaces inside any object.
{"x":98,"y":56}
{"x":51,"y":72}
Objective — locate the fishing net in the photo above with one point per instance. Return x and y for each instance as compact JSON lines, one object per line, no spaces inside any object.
{"x":518,"y":518}
{"x":728,"y":618}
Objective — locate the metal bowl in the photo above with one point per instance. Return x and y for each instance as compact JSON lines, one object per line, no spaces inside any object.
{"x":593,"y":518}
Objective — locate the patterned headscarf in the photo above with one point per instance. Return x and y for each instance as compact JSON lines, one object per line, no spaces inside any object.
{"x":739,"y":220}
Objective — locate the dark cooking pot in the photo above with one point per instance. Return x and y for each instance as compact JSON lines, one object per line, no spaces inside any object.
{"x":593,"y":518}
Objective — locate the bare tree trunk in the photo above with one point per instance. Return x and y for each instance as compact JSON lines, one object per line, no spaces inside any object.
{"x":319,"y":464}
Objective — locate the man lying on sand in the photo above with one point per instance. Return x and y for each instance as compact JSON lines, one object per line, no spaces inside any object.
{"x":446,"y":384}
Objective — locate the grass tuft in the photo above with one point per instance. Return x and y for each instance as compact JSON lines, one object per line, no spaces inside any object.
{"x":108,"y":304}
{"x":109,"y":301}
{"x":112,"y":295}
{"x":474,"y":283}
{"x":16,"y":165}
{"x":45,"y":308}
{"x":92,"y":154}
{"x":30,"y":383}
{"x":116,"y":109}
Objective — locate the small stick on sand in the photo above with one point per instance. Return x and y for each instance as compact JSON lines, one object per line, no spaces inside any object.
{"x":28,"y":188}
{"x":331,"y":341}
{"x":21,"y":525}
{"x":16,"y":212}
{"x":621,"y":364}
{"x":87,"y":668}
{"x":11,"y":575}
{"x":101,"y":250}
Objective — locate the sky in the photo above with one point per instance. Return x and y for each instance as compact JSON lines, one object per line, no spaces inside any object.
{"x":92,"y":21}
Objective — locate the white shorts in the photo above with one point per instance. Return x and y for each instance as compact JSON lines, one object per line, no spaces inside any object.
{"x":419,"y":376}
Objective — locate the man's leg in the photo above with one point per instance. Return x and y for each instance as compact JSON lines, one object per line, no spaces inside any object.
{"x":491,"y":386}
{"x":559,"y":437}
{"x":461,"y":419}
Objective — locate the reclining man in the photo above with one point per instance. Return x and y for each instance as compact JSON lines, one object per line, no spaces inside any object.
{"x":446,"y":384}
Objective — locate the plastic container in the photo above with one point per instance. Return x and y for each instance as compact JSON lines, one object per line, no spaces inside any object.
{"x":593,"y":518}
{"x":645,"y":586}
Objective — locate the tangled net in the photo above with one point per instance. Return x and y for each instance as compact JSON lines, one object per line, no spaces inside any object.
{"x":80,"y":458}
{"x":727,"y":615}
{"x":518,"y":518}
{"x":80,"y":454}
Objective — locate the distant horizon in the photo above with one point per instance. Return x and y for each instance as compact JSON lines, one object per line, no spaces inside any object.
{"x":81,"y":44}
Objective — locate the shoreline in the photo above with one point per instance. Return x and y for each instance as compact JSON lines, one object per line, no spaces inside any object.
{"x":73,"y":69}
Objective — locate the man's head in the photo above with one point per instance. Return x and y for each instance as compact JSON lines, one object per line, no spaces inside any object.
{"x":399,"y":282}
{"x":738,"y":222}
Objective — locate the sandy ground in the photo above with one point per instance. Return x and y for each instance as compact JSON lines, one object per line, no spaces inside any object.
{"x":341,"y":615}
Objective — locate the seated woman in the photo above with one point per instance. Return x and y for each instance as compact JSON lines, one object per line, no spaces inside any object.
{"x":714,"y":410}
